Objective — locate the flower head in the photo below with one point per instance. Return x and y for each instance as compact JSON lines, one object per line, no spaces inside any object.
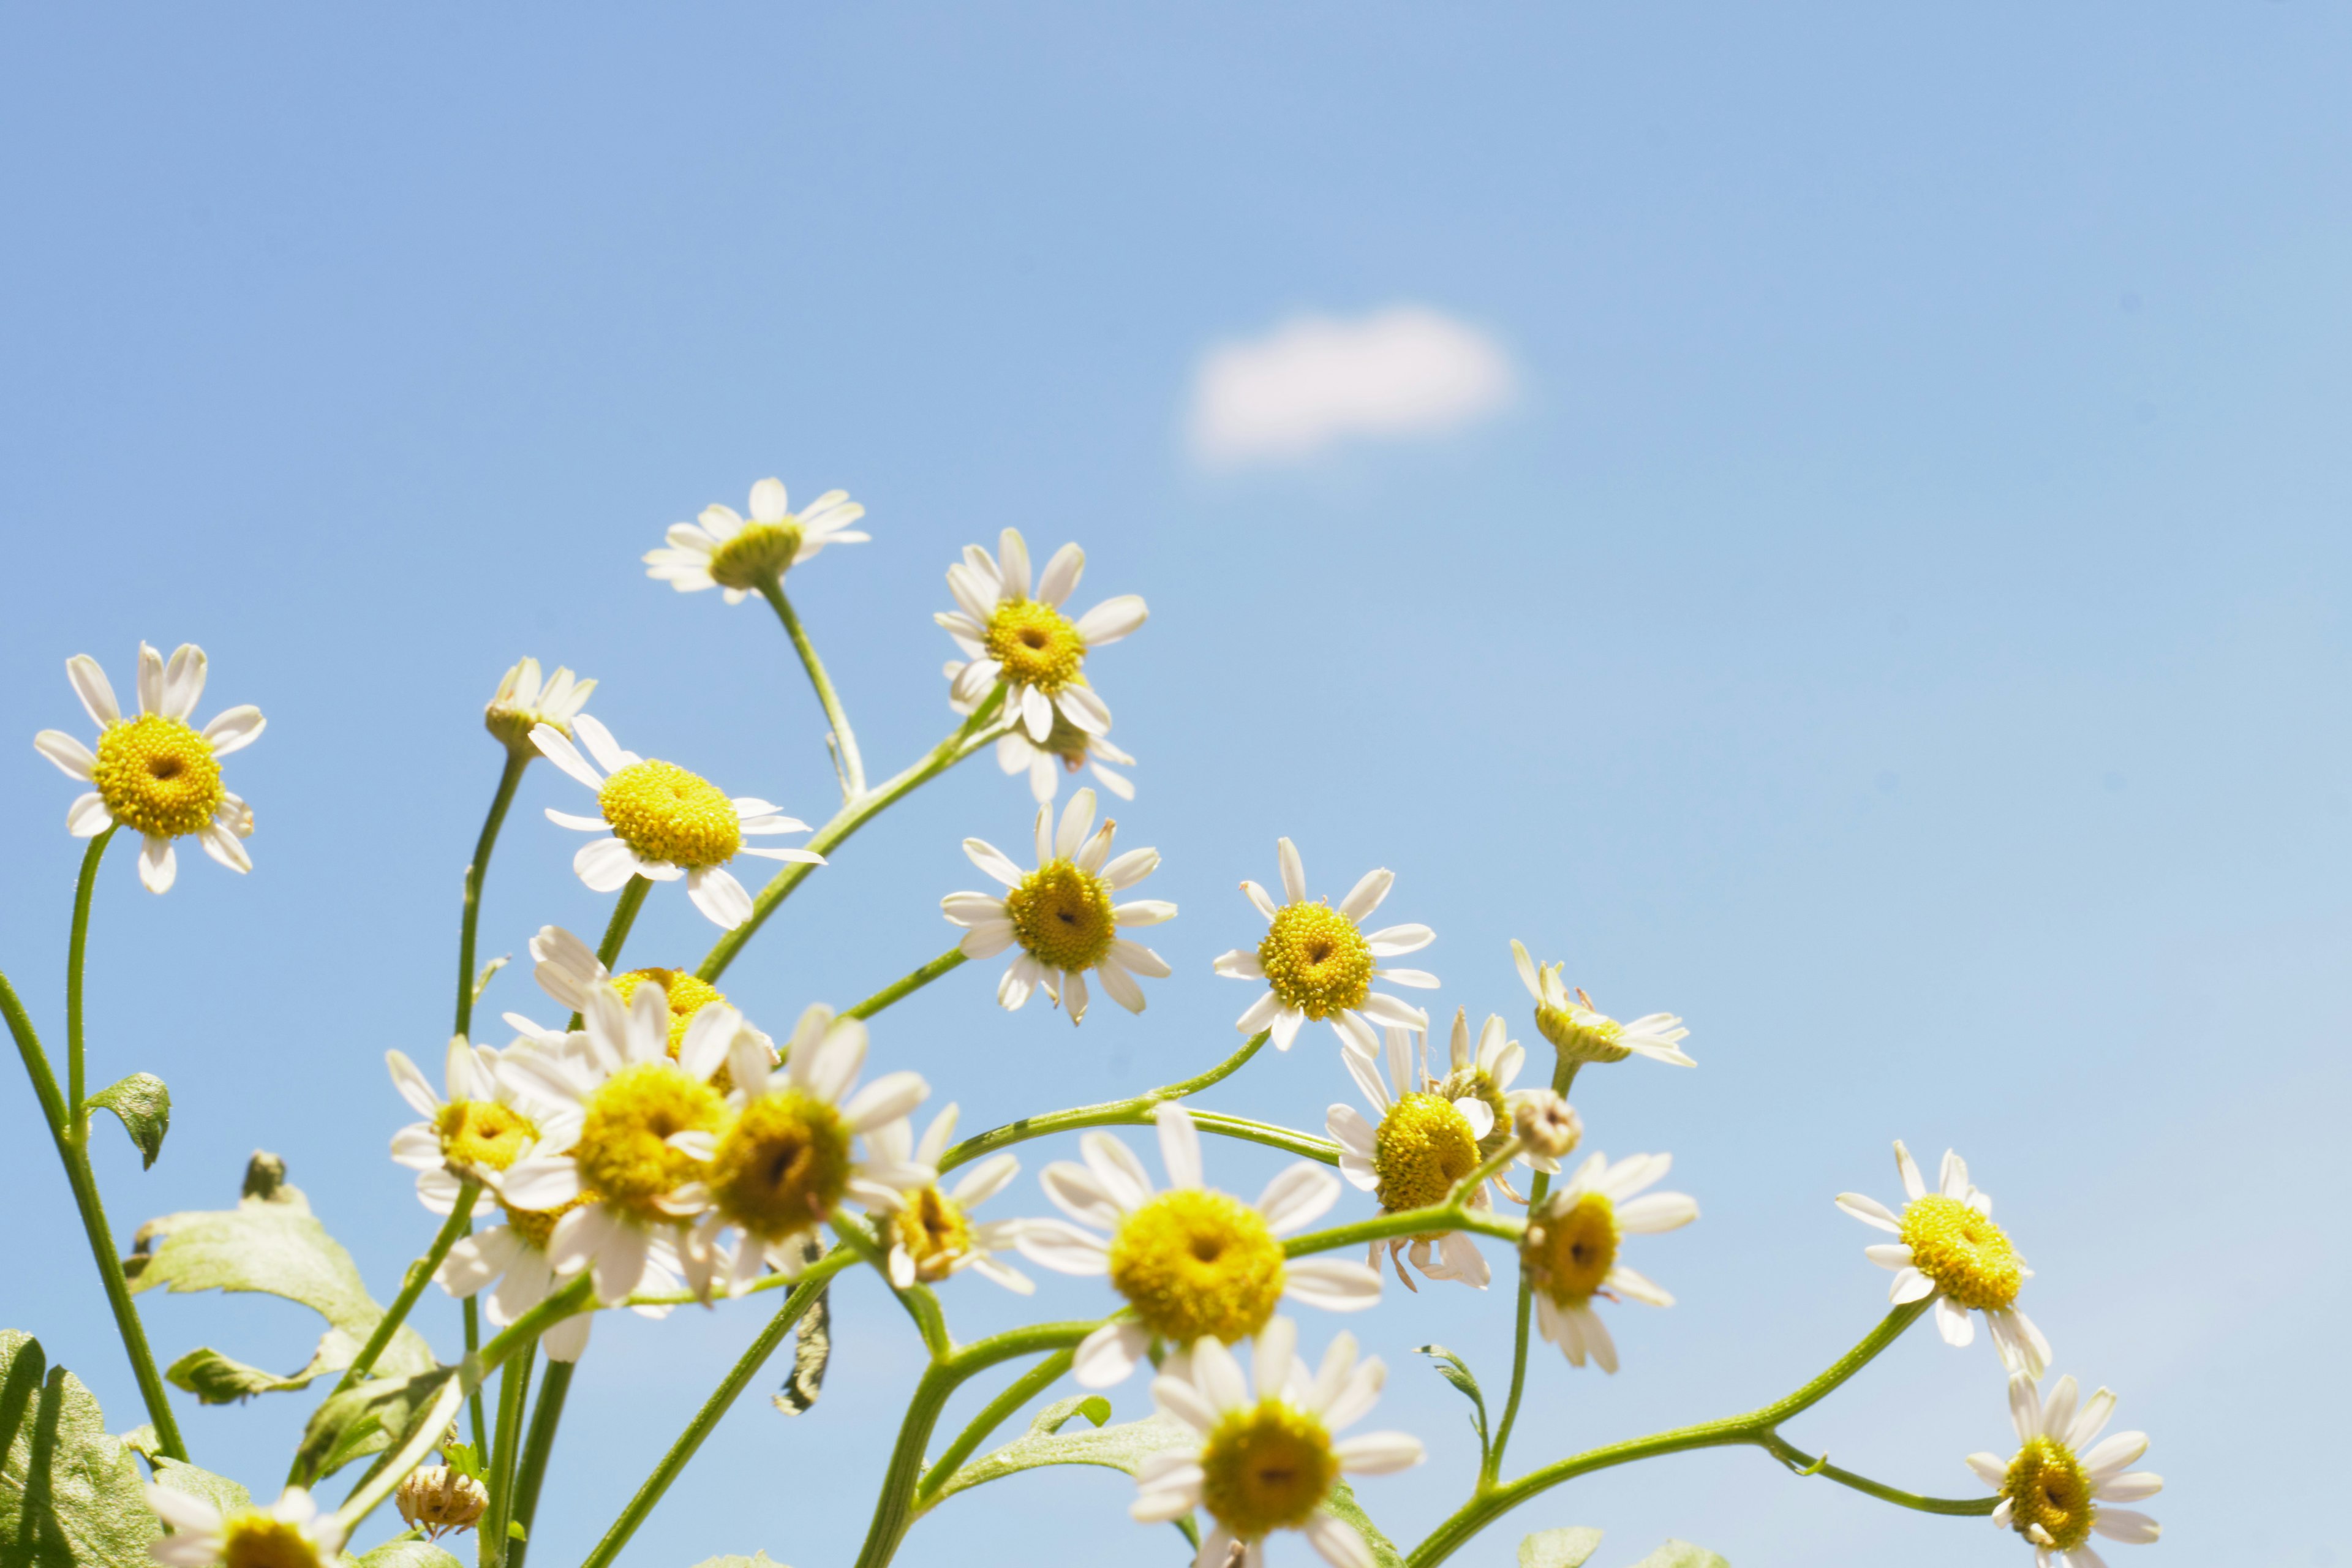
{"x":930,"y":1231}
{"x":1950,"y":1250}
{"x":155,"y":774}
{"x":1570,"y":1250}
{"x":1267,"y":1458}
{"x":1580,"y":1034}
{"x":435,"y":1499}
{"x":523,"y":702}
{"x":2055,"y":1491}
{"x":1417,"y":1145}
{"x":1318,"y":963}
{"x":724,"y":551}
{"x":1067,"y":750}
{"x":1062,"y":916}
{"x":1547,"y":1124}
{"x":665,"y":822}
{"x":289,"y":1533}
{"x":1191,"y":1262}
{"x":477,"y":1129}
{"x":1025,"y":644}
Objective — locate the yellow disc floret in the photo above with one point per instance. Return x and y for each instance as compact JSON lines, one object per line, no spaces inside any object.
{"x":624,"y":1150}
{"x":935,"y":1233}
{"x":2046,"y":1486}
{"x":482,"y":1133}
{"x":665,"y":814}
{"x":1062,"y":916}
{"x":1568,"y":1252}
{"x":157,"y":776}
{"x":1473,"y":1083}
{"x":251,"y":1537}
{"x":1581,"y":1035}
{"x":1315,"y":960}
{"x":760,"y":553}
{"x":688,"y":995}
{"x":1266,"y":1468}
{"x":537,"y":1226}
{"x":1421,"y":1147}
{"x":1969,"y":1256}
{"x":1035,"y":645}
{"x":783,"y":1164}
{"x":1191,"y":1263}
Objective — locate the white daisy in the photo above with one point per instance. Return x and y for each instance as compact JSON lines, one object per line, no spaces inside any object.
{"x":154,"y":774}
{"x":1570,"y":1251}
{"x":931,"y":1234}
{"x":1410,"y":1153}
{"x":512,"y":1256}
{"x":289,"y":1534}
{"x":723,"y":551}
{"x":1026,"y":645}
{"x":1582,"y":1035}
{"x":1061,"y":915}
{"x":1268,"y":1462}
{"x":664,"y":823}
{"x":1488,"y":1073}
{"x":1191,"y":1260}
{"x":478,"y":1128}
{"x":1067,"y":750}
{"x":567,"y":969}
{"x":2054,"y":1492}
{"x":1950,"y":1250}
{"x":1318,"y":963}
{"x":524,"y":701}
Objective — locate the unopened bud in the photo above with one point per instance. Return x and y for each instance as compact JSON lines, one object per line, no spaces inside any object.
{"x":437,"y":1500}
{"x":524,"y":700}
{"x":1547,"y":1124}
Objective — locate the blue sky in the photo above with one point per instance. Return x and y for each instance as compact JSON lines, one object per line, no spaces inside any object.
{"x":1896,"y":621}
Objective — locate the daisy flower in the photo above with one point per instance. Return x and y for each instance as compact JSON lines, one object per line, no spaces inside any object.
{"x":1581,"y":1035}
{"x":289,"y":1533}
{"x":568,"y":969}
{"x":1486,"y":1074}
{"x":476,"y":1131}
{"x":155,"y":774}
{"x":1570,"y":1251}
{"x":524,"y":701}
{"x":665,"y":822}
{"x":725,"y":551}
{"x":1061,"y":915}
{"x":931,"y":1234}
{"x":1191,"y":1262}
{"x":1421,"y":1144}
{"x":1950,"y":1250}
{"x":1026,"y":645}
{"x":1267,"y":1460}
{"x":2055,"y":1491}
{"x":513,"y":1257}
{"x":1318,"y":963}
{"x":1067,"y":750}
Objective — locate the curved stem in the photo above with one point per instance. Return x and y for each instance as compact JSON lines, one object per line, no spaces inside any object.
{"x":616,"y":930}
{"x":77,"y":947}
{"x":393,"y":1469}
{"x":1405,"y":1222}
{"x":1118,"y":1112}
{"x":853,"y":769}
{"x":1563,"y":1078}
{"x":898,"y":990}
{"x":922,"y":1305}
{"x":420,"y":1274}
{"x":1022,"y":1390}
{"x":479,"y":867}
{"x":554,"y":1385}
{"x":1804,"y":1464}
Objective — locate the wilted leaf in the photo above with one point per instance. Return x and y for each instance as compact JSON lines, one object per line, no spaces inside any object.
{"x":1456,"y":1371}
{"x":216,"y":1379}
{"x":1121,"y":1447}
{"x":1682,"y":1554}
{"x":757,"y":1560}
{"x":409,"y":1554}
{"x":69,"y":1494}
{"x":219,"y":1490}
{"x":1559,"y":1548}
{"x":811,"y":1344}
{"x":482,"y":981}
{"x":363,"y":1419}
{"x":1344,"y":1507}
{"x":145,"y":1107}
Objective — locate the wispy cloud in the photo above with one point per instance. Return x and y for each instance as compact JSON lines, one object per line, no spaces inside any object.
{"x":1314,"y":381}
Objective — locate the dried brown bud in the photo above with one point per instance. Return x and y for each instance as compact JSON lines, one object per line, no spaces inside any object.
{"x":437,"y":1500}
{"x":1547,"y":1124}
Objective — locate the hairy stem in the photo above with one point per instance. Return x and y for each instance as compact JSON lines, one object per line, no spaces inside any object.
{"x":546,"y":1412}
{"x":1125,"y":1112}
{"x":921,"y":1304}
{"x":420,"y":1274}
{"x":480,"y":1430}
{"x":853,"y":769}
{"x":1023,"y":1389}
{"x":514,"y":1389}
{"x":474,"y":871}
{"x":1406,"y":1222}
{"x":1563,"y":1077}
{"x":899,"y":990}
{"x":1804,"y":1464}
{"x":77,"y":948}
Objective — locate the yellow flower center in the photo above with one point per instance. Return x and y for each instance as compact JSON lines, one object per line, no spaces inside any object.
{"x":1035,"y":644}
{"x":934,"y":1232}
{"x":783,"y":1166}
{"x":1969,"y":1256}
{"x":1580,"y":1034}
{"x":1266,"y":1468}
{"x":1421,"y":1147}
{"x":157,"y":775}
{"x":761,"y":552}
{"x":1315,"y":960}
{"x":1473,"y":1083}
{"x":665,"y":814}
{"x":482,"y":1133}
{"x":1062,"y":916}
{"x":2046,"y":1486}
{"x":1567,"y":1254}
{"x":1193,"y":1262}
{"x":252,"y":1539}
{"x":537,"y":1226}
{"x":687,"y":995}
{"x":623,"y":1151}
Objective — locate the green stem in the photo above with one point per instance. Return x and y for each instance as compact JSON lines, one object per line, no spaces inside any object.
{"x":921,"y":1304}
{"x":472,"y":1314}
{"x":554,"y":1385}
{"x":1563,"y":1078}
{"x":1406,"y":1222}
{"x":898,"y":990}
{"x":1493,"y":1165}
{"x":1024,"y":1389}
{"x":1804,"y":1464}
{"x":517,"y":761}
{"x":566,"y":1301}
{"x":514,"y":1390}
{"x":77,"y":948}
{"x":420,"y":1274}
{"x":1120,"y":1112}
{"x":853,"y":769}
{"x":393,"y":1469}
{"x":746,"y":1368}
{"x":616,"y":930}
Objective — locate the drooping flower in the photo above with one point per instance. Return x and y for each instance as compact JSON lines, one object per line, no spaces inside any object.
{"x":1025,"y":644}
{"x":1570,"y":1250}
{"x":2057,"y":1490}
{"x":289,"y":1534}
{"x":523,"y":702}
{"x":1191,"y":1262}
{"x":664,"y":823}
{"x":1950,"y":1250}
{"x":1318,"y":963}
{"x":1061,"y":916}
{"x":1580,"y":1034}
{"x":155,"y":774}
{"x":1422,"y":1143}
{"x":724,"y":551}
{"x":931,"y":1234}
{"x":1067,"y":750}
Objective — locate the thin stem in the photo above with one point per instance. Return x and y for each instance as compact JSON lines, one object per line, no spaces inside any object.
{"x":899,"y":990}
{"x":569,"y":1300}
{"x":546,"y":1412}
{"x":1804,"y":1464}
{"x":393,"y":1469}
{"x":1023,"y":1389}
{"x":480,"y":1428}
{"x":514,"y":1390}
{"x":1115,"y":1112}
{"x":853,"y":769}
{"x":479,"y":867}
{"x":1563,"y":1078}
{"x":77,"y":948}
{"x":921,"y":1305}
{"x":420,"y":1274}
{"x":1494,"y":1165}
{"x":616,"y":930}
{"x":1406,"y":1222}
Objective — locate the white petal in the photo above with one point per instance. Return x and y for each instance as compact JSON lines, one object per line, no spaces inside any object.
{"x":1334,"y":1284}
{"x":1366,"y":895}
{"x":89,"y":684}
{"x":1377,"y":1453}
{"x":184,"y":682}
{"x":413,"y":1085}
{"x":539,"y":1184}
{"x":557,"y":748}
{"x":1240,"y":963}
{"x":1180,"y":1145}
{"x":1298,"y":1195}
{"x":1655,"y":1212}
{"x":1112,"y":619}
{"x":1394,"y":942}
{"x":1294,"y":872}
{"x":158,"y":866}
{"x":717,"y":893}
{"x":72,"y":758}
{"x":1108,"y":1354}
{"x":87,"y":817}
{"x":2130,"y":1487}
{"x":1063,"y":1248}
{"x":993,"y":861}
{"x":1870,"y":1211}
{"x":2127,"y":1525}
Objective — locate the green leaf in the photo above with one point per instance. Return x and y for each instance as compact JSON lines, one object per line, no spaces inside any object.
{"x":1121,"y":1447}
{"x":1559,"y":1548}
{"x":401,"y":1553}
{"x":757,"y":1560}
{"x":144,"y":1106}
{"x":216,"y":1379}
{"x":362,"y":1420}
{"x":1341,"y":1502}
{"x":463,"y":1458}
{"x":1058,"y":1415}
{"x":1456,"y":1371}
{"x":141,"y":1440}
{"x":219,"y":1490}
{"x":69,"y":1494}
{"x":1682,"y":1554}
{"x":515,"y":1530}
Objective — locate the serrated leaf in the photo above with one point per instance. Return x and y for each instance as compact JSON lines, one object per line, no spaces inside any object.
{"x":144,"y":1107}
{"x":1559,"y":1548}
{"x":219,"y":1490}
{"x":1341,"y":1502}
{"x":1120,"y":1448}
{"x":1682,"y":1554}
{"x":757,"y":1560}
{"x":1456,"y":1371}
{"x":398,"y":1554}
{"x":462,"y":1458}
{"x":69,"y":1494}
{"x":363,"y":1419}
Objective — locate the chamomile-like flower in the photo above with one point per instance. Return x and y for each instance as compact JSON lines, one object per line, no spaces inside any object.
{"x":1580,"y":1034}
{"x":524,"y":701}
{"x":1950,"y":1250}
{"x":1411,"y":1153}
{"x":478,"y":1130}
{"x":2056,"y":1492}
{"x":1486,"y":1074}
{"x":1267,"y":1458}
{"x":1025,"y":644}
{"x":1570,"y":1250}
{"x":724,"y":551}
{"x":1318,"y":962}
{"x":665,"y":822}
{"x":512,"y":1256}
{"x":567,"y":969}
{"x":289,"y":1533}
{"x":155,"y":774}
{"x":1067,"y":750}
{"x":1061,"y":916}
{"x":1191,"y":1262}
{"x":932,"y":1233}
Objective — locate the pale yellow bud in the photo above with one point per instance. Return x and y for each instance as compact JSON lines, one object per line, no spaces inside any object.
{"x":437,"y":1500}
{"x":1547,"y":1124}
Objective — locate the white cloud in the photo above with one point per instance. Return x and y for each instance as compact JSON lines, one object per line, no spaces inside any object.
{"x":1404,"y":371}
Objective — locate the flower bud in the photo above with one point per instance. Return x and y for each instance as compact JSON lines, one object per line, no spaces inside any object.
{"x":438,"y":1499}
{"x":1547,"y":1124}
{"x":524,"y":700}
